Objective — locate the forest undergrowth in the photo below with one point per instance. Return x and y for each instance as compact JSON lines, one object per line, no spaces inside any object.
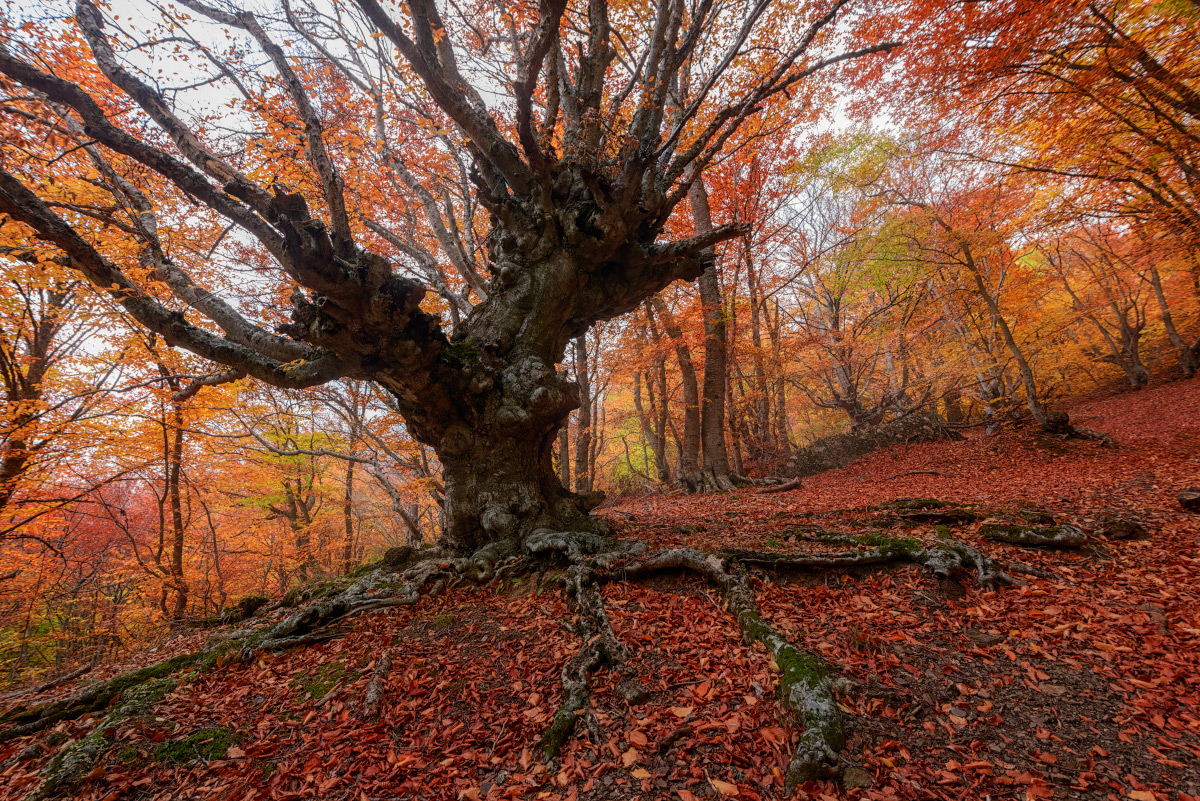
{"x":1080,"y":682}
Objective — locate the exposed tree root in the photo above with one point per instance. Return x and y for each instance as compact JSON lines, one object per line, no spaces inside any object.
{"x":600,"y":646}
{"x":786,"y":486}
{"x":945,"y":558}
{"x":1059,"y":423}
{"x":141,"y":689}
{"x":77,"y":759}
{"x":804,"y":686}
{"x":25,"y":721}
{"x":1061,"y":536}
{"x":374,"y":694}
{"x":921,"y":473}
{"x":52,"y":683}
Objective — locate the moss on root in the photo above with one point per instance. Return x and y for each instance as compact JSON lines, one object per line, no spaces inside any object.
{"x":94,"y":698}
{"x":207,"y":744}
{"x":915,"y":504}
{"x":804,"y":688}
{"x":73,"y":762}
{"x":556,"y":736}
{"x":896,"y":547}
{"x":1060,"y":536}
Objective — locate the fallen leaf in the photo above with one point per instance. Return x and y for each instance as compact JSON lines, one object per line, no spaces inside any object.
{"x":724,"y":788}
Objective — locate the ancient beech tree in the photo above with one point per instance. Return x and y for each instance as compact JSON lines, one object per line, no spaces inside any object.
{"x":583,"y":125}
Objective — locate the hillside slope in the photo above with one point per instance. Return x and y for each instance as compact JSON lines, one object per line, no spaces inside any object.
{"x":1082,"y":684}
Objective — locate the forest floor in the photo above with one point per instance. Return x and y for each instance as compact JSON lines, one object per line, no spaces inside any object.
{"x":1081,"y":686}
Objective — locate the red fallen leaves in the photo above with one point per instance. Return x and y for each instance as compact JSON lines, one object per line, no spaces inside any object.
{"x":1082,"y":686}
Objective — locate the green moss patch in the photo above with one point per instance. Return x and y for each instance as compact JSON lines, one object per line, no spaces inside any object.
{"x":319,"y":682}
{"x":207,"y":744}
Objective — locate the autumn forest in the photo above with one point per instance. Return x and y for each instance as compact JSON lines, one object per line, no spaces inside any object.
{"x":595,"y":399}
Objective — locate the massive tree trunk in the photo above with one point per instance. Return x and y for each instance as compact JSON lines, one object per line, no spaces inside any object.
{"x":494,"y":420}
{"x":500,"y":477}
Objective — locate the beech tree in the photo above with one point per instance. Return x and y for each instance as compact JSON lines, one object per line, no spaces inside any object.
{"x":601,"y":121}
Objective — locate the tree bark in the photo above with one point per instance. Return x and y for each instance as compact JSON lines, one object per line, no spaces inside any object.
{"x":174,"y":471}
{"x":712,"y":404}
{"x":689,"y":461}
{"x":1189,"y":355}
{"x":583,"y":434}
{"x":348,"y":515}
{"x":564,"y":455}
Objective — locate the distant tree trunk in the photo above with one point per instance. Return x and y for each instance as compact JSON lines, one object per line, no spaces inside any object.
{"x":651,"y":432}
{"x":22,"y":377}
{"x":735,"y":432}
{"x":1027,"y":380}
{"x":174,"y":471}
{"x":564,"y":455}
{"x":583,"y":435}
{"x":1124,"y":348}
{"x":1189,"y":355}
{"x":222,"y":596}
{"x":348,"y":515}
{"x":783,"y":432}
{"x":761,"y":398}
{"x":952,"y":402}
{"x":689,"y":462}
{"x":298,"y":512}
{"x":712,"y":403}
{"x":597,"y":444}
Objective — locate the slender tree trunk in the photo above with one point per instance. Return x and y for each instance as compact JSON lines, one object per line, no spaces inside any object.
{"x":1189,"y":356}
{"x":783,"y":433}
{"x":689,"y":465}
{"x":348,"y":516}
{"x":597,"y":438}
{"x":564,"y":455}
{"x":174,"y":476}
{"x":1027,"y":380}
{"x":712,"y":403}
{"x":761,"y":399}
{"x":650,"y":430}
